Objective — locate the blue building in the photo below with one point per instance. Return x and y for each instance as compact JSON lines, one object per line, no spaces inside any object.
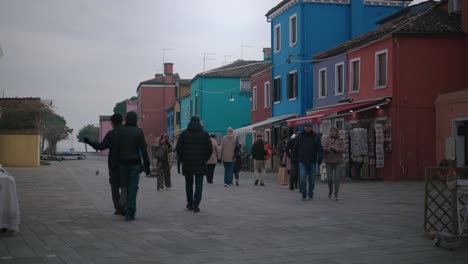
{"x":170,"y":122}
{"x":221,"y":96}
{"x":185,"y":115}
{"x":303,"y":28}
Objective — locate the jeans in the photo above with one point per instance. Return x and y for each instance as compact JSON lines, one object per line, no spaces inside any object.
{"x":334,"y":171}
{"x":194,"y":200}
{"x":307,"y":173}
{"x":133,"y":174}
{"x":228,"y":171}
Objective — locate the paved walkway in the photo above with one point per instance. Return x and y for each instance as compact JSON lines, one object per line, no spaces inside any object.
{"x":67,"y":218}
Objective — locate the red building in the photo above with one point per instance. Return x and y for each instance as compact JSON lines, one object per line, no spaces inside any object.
{"x":154,"y":96}
{"x":393,"y":78}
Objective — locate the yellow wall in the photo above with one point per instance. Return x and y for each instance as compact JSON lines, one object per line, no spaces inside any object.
{"x":19,"y":150}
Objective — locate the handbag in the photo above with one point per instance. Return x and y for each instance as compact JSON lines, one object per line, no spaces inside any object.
{"x":160,"y":153}
{"x":282,"y":176}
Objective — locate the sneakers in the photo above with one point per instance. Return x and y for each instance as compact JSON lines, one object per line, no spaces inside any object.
{"x":311,"y":198}
{"x":189,"y":207}
{"x":336,"y":198}
{"x":304,"y":198}
{"x":196,"y":210}
{"x":262,"y":184}
{"x":329,"y":196}
{"x":256,"y":182}
{"x":237,"y":183}
{"x":226,"y":185}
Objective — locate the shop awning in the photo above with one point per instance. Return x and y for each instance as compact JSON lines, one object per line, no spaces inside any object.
{"x":249,"y":128}
{"x":317,"y":116}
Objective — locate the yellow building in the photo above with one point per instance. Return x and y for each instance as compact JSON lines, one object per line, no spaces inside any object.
{"x":19,"y":150}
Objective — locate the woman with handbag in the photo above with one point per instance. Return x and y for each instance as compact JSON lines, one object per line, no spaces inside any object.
{"x":163,"y":161}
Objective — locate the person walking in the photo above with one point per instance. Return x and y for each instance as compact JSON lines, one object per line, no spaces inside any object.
{"x":227,"y":149}
{"x":308,"y":153}
{"x":258,"y":154}
{"x":211,"y":163}
{"x":333,"y":148}
{"x":293,"y":164}
{"x":118,"y":191}
{"x":163,"y":162}
{"x":129,"y":153}
{"x":194,"y":149}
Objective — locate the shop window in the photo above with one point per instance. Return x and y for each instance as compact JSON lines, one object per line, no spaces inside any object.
{"x":381,"y":69}
{"x":354,"y":76}
{"x":339,"y":79}
{"x":292,"y":85}
{"x":322,"y":83}
{"x":277,"y":90}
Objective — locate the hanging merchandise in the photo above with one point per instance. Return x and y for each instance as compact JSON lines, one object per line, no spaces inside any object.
{"x":359,"y":145}
{"x":387,"y":130}
{"x":345,"y":136}
{"x":379,"y":145}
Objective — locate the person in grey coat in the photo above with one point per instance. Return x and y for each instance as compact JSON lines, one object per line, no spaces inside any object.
{"x":333,"y":148}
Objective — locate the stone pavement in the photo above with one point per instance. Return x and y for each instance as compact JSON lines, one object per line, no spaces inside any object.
{"x":67,"y":217}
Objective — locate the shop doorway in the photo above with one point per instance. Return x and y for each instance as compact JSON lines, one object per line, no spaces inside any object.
{"x":460,"y":129}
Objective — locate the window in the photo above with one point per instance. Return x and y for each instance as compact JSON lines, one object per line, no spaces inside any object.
{"x":245,"y":85}
{"x":292,"y":85}
{"x":178,"y":118}
{"x":277,"y":89}
{"x":355,"y":71}
{"x":292,"y":30}
{"x":339,"y":78}
{"x":277,"y":38}
{"x":196,"y":104}
{"x":254,"y":98}
{"x":267,"y":136}
{"x":339,"y":123}
{"x":325,"y":127}
{"x":322,"y":83}
{"x":381,"y":69}
{"x":266,"y":95}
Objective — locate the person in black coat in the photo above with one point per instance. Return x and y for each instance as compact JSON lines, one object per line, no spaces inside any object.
{"x":130,"y":150}
{"x":194,"y":149}
{"x":258,"y":154}
{"x":118,"y":197}
{"x":308,"y":153}
{"x":294,"y":170}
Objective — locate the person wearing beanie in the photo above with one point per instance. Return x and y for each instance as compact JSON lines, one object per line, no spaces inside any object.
{"x":118,"y":193}
{"x":130,"y":151}
{"x":194,"y":149}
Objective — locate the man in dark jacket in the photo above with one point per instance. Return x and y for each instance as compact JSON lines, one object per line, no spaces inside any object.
{"x":118,"y":198}
{"x":194,"y":149}
{"x":258,"y":154}
{"x":308,"y":153}
{"x":130,"y":149}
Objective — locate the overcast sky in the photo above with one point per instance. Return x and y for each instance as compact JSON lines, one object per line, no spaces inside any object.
{"x":87,"y":55}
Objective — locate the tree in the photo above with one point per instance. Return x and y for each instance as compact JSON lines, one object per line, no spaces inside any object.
{"x":89,"y":131}
{"x":54,"y":129}
{"x":121,"y":107}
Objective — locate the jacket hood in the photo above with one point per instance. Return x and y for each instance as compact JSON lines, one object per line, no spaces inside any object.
{"x":194,"y":126}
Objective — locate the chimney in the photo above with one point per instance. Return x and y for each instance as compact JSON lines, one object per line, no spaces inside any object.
{"x":168,"y":67}
{"x":266,"y":54}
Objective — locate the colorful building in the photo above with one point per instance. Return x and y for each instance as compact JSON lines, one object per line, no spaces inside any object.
{"x":105,"y":125}
{"x":154,"y":97}
{"x":393,"y":75}
{"x":182,"y":90}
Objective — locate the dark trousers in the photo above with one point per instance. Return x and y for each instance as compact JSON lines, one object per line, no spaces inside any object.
{"x":132,"y":173}
{"x":114,"y":181}
{"x":193,"y":200}
{"x":211,"y":169}
{"x":294,"y":175}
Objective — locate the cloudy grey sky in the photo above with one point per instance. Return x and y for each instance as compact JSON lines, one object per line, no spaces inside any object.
{"x":87,"y":55}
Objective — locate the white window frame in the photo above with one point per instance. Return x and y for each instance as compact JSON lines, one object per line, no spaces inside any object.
{"x":266,"y":95}
{"x":291,"y":43}
{"x":254,"y":98}
{"x":329,"y":124}
{"x":342,"y":79}
{"x":320,"y":95}
{"x":297,"y":88}
{"x":279,"y":96}
{"x":377,"y":70}
{"x":244,"y":80}
{"x":267,"y":138}
{"x":338,"y":120}
{"x":277,"y":39}
{"x":254,"y":136}
{"x":351,"y":76}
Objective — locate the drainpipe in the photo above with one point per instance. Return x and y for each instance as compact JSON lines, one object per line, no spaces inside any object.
{"x":396,"y":72}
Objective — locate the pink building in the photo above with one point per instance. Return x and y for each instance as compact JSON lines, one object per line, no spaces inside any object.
{"x":105,"y":125}
{"x":132,"y":106}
